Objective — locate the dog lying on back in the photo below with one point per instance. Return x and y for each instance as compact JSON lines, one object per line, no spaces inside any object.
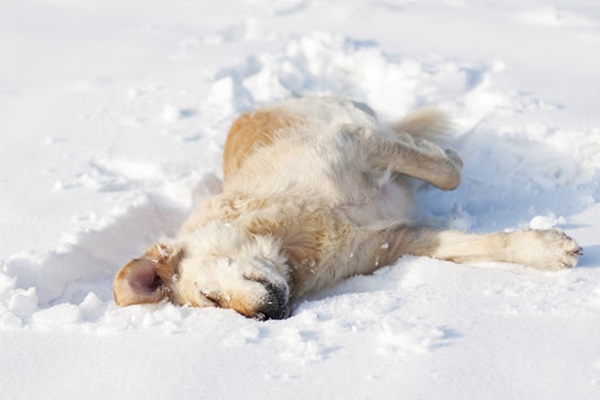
{"x":316,"y":190}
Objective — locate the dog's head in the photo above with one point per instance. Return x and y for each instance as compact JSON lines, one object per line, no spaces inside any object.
{"x":215,"y":266}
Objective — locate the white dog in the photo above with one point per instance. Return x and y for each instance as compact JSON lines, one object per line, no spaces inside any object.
{"x":316,"y":190}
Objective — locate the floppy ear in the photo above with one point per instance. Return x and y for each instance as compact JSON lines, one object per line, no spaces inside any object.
{"x":146,"y":279}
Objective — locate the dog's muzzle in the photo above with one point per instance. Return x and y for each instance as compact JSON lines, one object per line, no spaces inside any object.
{"x":274,"y":304}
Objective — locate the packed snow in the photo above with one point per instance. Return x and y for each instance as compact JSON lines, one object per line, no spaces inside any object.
{"x":114,"y":114}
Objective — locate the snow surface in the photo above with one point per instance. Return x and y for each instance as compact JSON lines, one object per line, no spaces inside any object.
{"x":113,"y":117}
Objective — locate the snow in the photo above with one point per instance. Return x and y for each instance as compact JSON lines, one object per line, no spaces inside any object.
{"x":113,"y":120}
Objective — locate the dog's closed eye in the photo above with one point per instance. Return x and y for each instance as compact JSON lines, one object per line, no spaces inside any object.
{"x":214,"y":298}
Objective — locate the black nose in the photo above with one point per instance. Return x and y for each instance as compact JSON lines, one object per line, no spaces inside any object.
{"x":272,"y":313}
{"x":274,"y":305}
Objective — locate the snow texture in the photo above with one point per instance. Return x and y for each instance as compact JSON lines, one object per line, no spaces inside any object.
{"x":114,"y":115}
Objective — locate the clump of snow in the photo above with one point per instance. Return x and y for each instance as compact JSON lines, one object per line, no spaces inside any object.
{"x":399,"y":336}
{"x":23,"y":302}
{"x":114,"y":126}
{"x":546,"y":221}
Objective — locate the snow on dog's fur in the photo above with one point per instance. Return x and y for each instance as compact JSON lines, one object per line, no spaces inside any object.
{"x":316,"y":190}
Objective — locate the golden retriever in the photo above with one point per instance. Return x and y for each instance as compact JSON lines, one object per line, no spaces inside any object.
{"x":316,"y":190}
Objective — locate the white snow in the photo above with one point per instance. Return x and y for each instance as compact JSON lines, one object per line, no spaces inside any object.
{"x":113,"y":117}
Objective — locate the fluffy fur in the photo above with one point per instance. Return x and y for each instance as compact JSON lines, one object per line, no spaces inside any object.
{"x":316,"y":190}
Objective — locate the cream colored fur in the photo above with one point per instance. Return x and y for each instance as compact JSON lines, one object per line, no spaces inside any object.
{"x":317,"y":190}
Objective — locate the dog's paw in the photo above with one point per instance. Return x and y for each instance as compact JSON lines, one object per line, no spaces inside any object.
{"x":454,"y":158}
{"x":449,"y":171}
{"x":550,"y":250}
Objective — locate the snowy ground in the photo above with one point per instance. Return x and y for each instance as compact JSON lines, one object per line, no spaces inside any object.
{"x":113,"y":116}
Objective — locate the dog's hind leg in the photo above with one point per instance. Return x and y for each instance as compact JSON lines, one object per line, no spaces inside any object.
{"x":417,"y":158}
{"x":542,"y":249}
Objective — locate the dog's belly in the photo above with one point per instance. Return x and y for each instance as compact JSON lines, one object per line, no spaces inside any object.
{"x":391,"y":204}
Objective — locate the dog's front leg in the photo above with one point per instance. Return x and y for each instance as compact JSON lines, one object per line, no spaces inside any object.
{"x":541,"y":249}
{"x":417,"y":158}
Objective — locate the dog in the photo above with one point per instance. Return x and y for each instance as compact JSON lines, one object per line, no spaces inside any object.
{"x":316,"y":190}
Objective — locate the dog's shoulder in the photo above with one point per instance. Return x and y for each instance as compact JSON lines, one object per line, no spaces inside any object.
{"x":254,"y":130}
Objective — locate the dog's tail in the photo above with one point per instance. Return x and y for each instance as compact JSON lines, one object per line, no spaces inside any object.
{"x":429,"y":124}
